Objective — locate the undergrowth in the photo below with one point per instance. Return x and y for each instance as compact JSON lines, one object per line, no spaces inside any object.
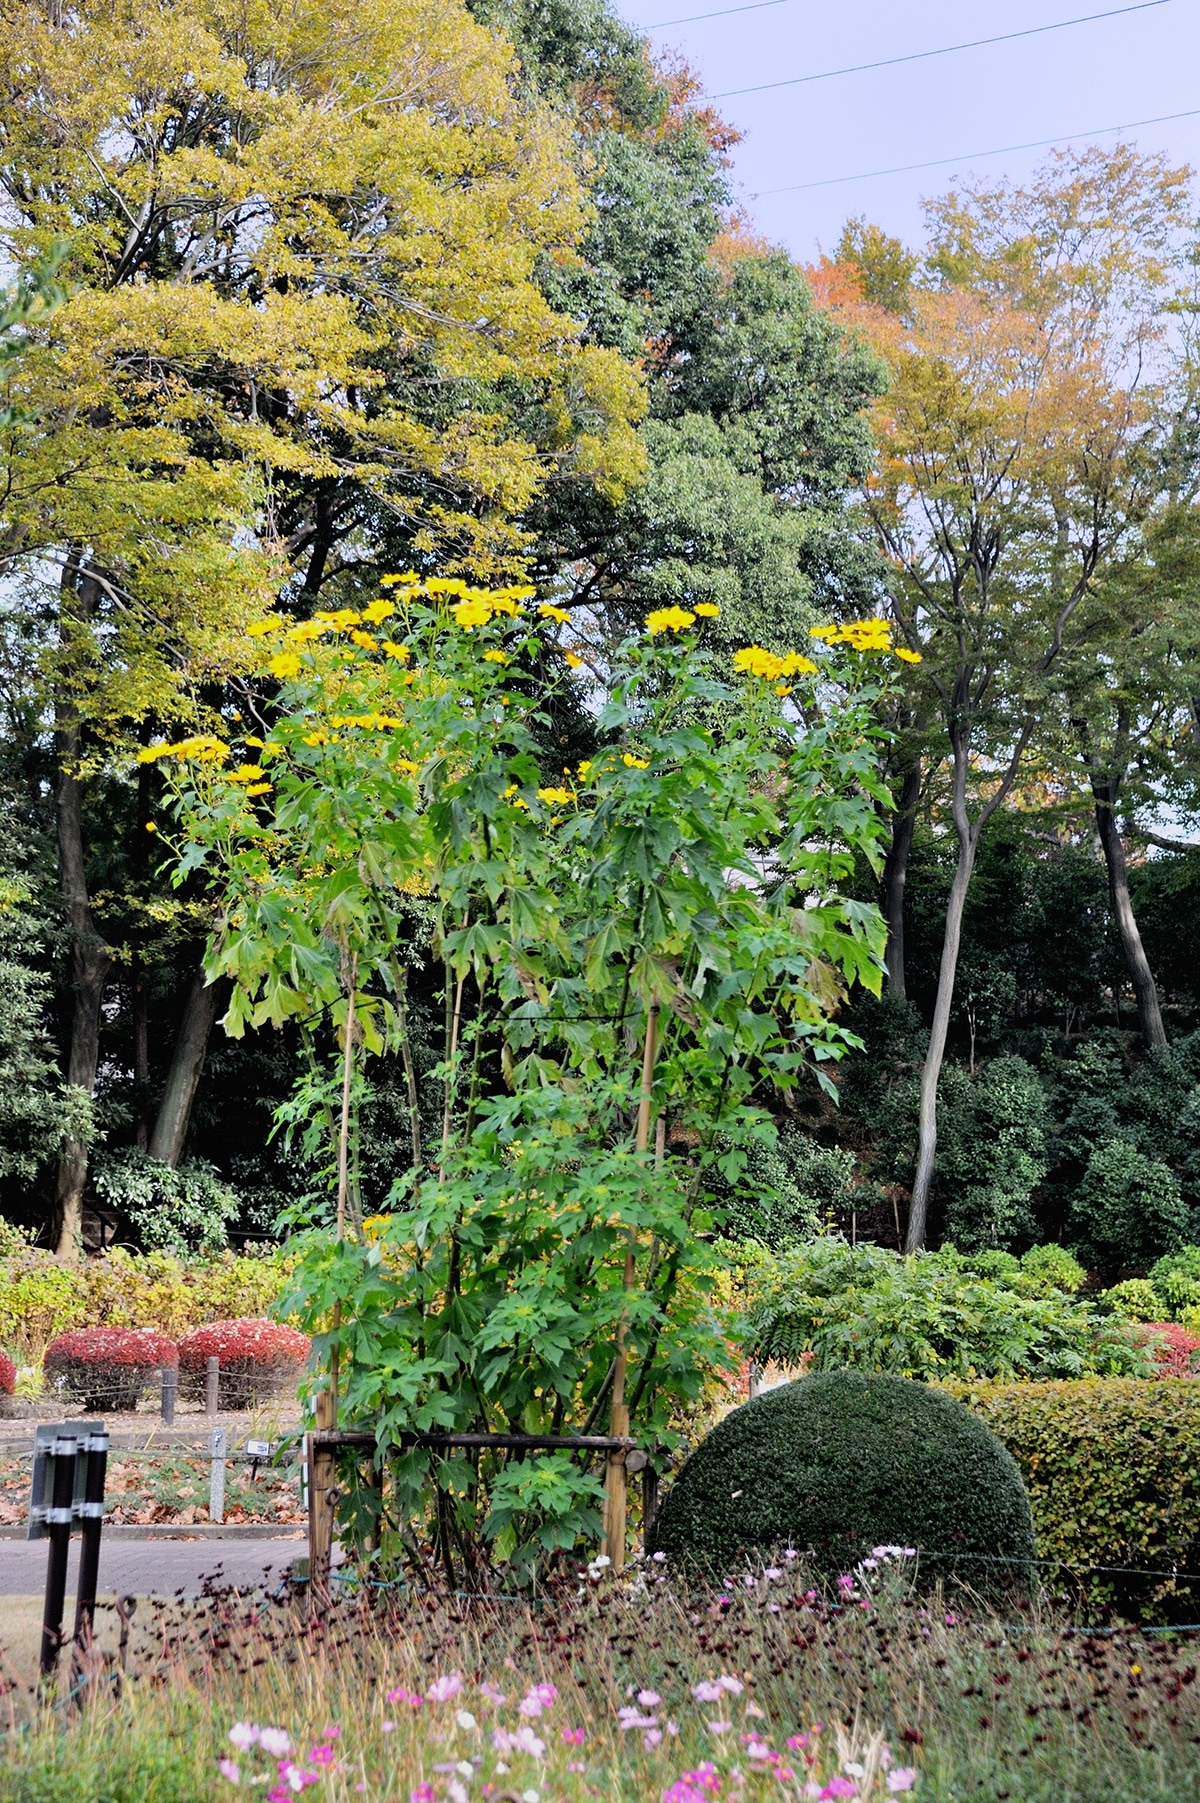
{"x":643,"y":1689}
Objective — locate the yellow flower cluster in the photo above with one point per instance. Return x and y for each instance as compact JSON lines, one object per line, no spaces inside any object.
{"x":632,"y":763}
{"x":669,"y":619}
{"x":548,"y":611}
{"x":561,"y":796}
{"x":373,"y":722}
{"x":752,"y":660}
{"x":495,"y":657}
{"x":705,"y":610}
{"x":861,"y":635}
{"x":203,"y":749}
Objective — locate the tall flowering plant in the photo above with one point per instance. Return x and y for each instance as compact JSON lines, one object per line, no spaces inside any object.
{"x":637,"y":951}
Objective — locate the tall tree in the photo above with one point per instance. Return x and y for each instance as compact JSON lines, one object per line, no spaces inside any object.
{"x":302,"y":251}
{"x":1014,"y":471}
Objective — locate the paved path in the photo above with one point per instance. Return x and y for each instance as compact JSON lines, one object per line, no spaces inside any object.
{"x":148,"y":1567}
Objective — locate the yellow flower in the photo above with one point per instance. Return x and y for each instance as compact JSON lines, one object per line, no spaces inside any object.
{"x":259,"y":789}
{"x":908,"y":657}
{"x":668,"y":619}
{"x":753,"y":660}
{"x":284,"y":665}
{"x":246,"y":773}
{"x":634,"y":763}
{"x":782,"y":688}
{"x":584,"y":766}
{"x":261,"y":628}
{"x":150,"y":827}
{"x":796,"y":665}
{"x":495,"y":657}
{"x":872,"y":634}
{"x":471,"y":613}
{"x":391,"y":581}
{"x":378,"y":611}
{"x":365,"y":640}
{"x":706,"y":611}
{"x":548,"y":611}
{"x":445,"y":585}
{"x":392,"y":649}
{"x":556,"y":795}
{"x":573,"y":662}
{"x":408,"y":767}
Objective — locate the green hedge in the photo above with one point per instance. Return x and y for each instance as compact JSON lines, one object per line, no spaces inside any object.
{"x":1112,"y":1468}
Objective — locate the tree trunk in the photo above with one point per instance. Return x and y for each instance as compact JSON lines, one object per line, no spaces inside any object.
{"x":187,"y":1062}
{"x":1105,"y":791}
{"x":91,"y":960}
{"x":935,"y":1055}
{"x":895,"y":872}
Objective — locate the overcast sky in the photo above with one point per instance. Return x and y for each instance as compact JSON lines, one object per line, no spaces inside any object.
{"x":1064,"y":85}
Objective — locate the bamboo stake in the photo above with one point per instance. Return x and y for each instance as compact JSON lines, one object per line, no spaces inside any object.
{"x":322,"y":1460}
{"x":615,"y":1479}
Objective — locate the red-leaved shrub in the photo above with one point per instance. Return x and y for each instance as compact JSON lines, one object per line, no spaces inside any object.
{"x":8,"y":1376}
{"x":259,"y":1359}
{"x":1174,"y":1348}
{"x":107,"y":1367}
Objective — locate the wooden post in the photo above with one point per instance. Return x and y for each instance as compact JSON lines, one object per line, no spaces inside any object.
{"x":615,"y":1477}
{"x":322,"y":1468}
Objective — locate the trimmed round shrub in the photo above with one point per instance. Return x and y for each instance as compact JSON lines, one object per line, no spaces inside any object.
{"x":107,"y":1367}
{"x":844,"y":1461}
{"x":258,"y":1359}
{"x":8,"y":1376}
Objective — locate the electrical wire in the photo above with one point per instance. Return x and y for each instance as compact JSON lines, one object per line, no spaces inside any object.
{"x":920,"y":56}
{"x":867,"y":175}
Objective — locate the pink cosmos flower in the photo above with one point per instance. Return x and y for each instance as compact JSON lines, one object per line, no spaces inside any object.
{"x":539,"y":1698}
{"x":228,"y":1769}
{"x":651,"y":1738}
{"x":275,"y":1741}
{"x":901,"y":1777}
{"x":649,"y":1699}
{"x":400,"y":1695}
{"x":445,"y":1688}
{"x":573,"y":1737}
{"x":244,"y":1735}
{"x":424,"y":1793}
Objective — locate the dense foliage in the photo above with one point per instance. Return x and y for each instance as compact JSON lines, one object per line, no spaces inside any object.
{"x":258,"y":1359}
{"x":1113,"y":1473}
{"x":843,"y":1462}
{"x":931,"y":1314}
{"x":107,"y":1367}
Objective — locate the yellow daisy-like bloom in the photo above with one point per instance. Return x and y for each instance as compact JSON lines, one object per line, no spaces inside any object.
{"x":908,"y":657}
{"x":548,"y":611}
{"x":705,"y":610}
{"x":391,"y":581}
{"x":261,"y":628}
{"x":753,"y":660}
{"x":782,"y":688}
{"x":407,"y":765}
{"x":150,"y":827}
{"x":445,"y":585}
{"x":246,"y":773}
{"x":633,"y":763}
{"x":366,"y":640}
{"x":873,"y":634}
{"x":259,"y":789}
{"x":495,"y":657}
{"x":392,"y":649}
{"x":573,"y":662}
{"x":669,"y":619}
{"x":560,"y":796}
{"x":379,"y":611}
{"x":471,"y":613}
{"x":285,"y":665}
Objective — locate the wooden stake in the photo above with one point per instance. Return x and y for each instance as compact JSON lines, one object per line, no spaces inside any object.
{"x":615,"y":1478}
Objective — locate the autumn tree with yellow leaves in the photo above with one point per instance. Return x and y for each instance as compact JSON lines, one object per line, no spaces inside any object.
{"x":300,"y":254}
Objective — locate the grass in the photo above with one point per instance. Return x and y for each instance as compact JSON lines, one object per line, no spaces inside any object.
{"x":400,"y":1697}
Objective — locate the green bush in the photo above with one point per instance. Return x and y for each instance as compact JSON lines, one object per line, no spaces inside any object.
{"x":932,"y":1314}
{"x":1176,"y":1279}
{"x":1129,"y":1208}
{"x":841,"y":1463}
{"x":1112,"y":1467}
{"x":184,"y":1211}
{"x":1135,"y":1300}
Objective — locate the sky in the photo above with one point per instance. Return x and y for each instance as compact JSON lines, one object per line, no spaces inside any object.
{"x":1065,"y":86}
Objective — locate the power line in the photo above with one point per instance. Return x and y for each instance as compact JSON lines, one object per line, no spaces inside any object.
{"x":920,"y":56}
{"x":755,"y":6}
{"x":867,"y":175}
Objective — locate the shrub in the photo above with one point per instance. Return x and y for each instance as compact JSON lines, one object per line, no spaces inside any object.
{"x":1112,"y":1467}
{"x":928,"y":1315}
{"x":1134,"y":1300}
{"x":1052,"y":1267}
{"x":843,"y":1462}
{"x":107,"y":1367}
{"x":184,"y":1211}
{"x":1128,"y":1209}
{"x":1176,"y":1279}
{"x":259,"y":1359}
{"x":40,"y":1298}
{"x":8,"y":1376}
{"x":1172,"y":1347}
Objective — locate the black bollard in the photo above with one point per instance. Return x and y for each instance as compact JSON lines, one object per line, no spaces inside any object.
{"x":57,"y":1520}
{"x":170,"y":1384}
{"x":90,"y":1513}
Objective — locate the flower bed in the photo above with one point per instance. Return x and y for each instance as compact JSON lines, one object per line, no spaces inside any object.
{"x":259,"y":1359}
{"x":107,"y":1367}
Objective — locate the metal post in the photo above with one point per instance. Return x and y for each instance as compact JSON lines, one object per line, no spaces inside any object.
{"x":212,"y":1382}
{"x":170,"y":1384}
{"x":58,"y":1529}
{"x":90,"y":1514}
{"x":216,"y":1480}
